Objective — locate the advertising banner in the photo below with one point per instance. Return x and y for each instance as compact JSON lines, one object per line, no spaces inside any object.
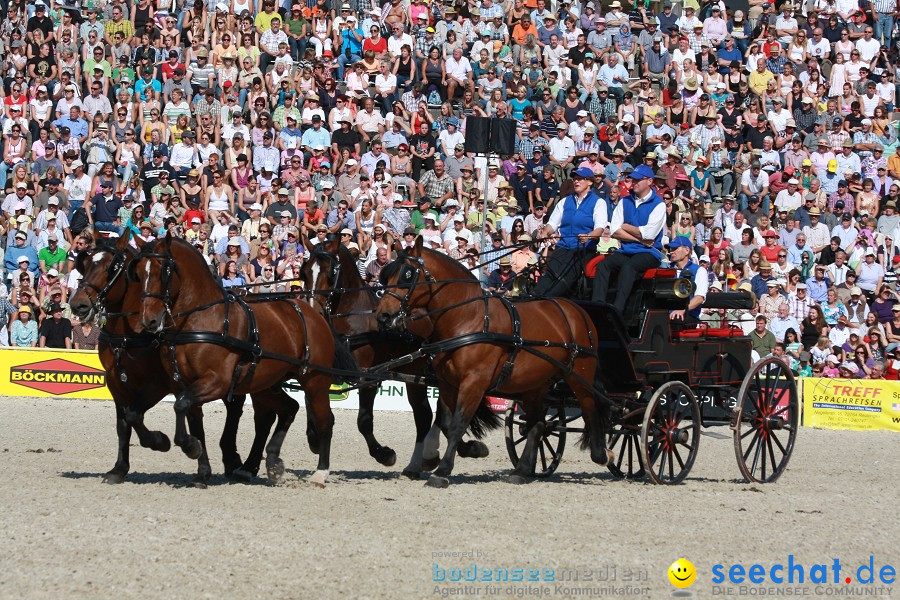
{"x":45,"y":372}
{"x":860,"y":404}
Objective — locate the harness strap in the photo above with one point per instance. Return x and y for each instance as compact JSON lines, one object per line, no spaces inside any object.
{"x":516,"y":325}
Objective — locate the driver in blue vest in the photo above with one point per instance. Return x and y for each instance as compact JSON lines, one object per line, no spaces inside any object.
{"x":580,"y":219}
{"x":637,"y":223}
{"x":681,"y":256}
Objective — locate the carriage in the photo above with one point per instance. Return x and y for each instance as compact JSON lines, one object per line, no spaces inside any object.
{"x":669,"y":383}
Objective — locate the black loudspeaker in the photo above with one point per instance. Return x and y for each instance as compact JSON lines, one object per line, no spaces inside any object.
{"x":478,"y":133}
{"x":503,"y":136}
{"x":484,"y":135}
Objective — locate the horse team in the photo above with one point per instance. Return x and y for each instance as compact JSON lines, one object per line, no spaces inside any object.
{"x":170,"y":328}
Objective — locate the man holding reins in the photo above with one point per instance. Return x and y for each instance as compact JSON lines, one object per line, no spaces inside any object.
{"x":580,"y":219}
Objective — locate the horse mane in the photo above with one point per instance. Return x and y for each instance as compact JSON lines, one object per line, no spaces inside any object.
{"x":192,"y":255}
{"x":454,"y":265}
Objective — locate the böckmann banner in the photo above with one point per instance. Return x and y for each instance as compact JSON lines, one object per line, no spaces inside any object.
{"x":52,"y":373}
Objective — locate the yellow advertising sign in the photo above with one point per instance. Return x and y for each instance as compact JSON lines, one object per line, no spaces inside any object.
{"x":861,"y":404}
{"x":49,"y":372}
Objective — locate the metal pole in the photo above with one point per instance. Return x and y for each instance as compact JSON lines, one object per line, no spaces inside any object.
{"x":484,"y":209}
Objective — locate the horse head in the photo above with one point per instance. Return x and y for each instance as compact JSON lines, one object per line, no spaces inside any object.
{"x":405,"y":281}
{"x":103,"y":283}
{"x":321,"y":273}
{"x":159,"y":277}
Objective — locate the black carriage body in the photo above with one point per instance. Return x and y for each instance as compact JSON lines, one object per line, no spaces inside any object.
{"x":644,"y":348}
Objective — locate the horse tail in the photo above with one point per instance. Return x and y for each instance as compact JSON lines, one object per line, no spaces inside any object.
{"x":485,"y":419}
{"x":343,"y":358}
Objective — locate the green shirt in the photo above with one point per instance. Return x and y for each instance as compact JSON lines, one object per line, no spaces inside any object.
{"x":294,"y":27}
{"x":52,"y":258}
{"x":417,"y":220}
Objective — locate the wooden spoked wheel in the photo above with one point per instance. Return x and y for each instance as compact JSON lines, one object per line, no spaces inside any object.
{"x":766,"y":421}
{"x":670,"y":436}
{"x":551,"y":444}
{"x":625,"y":443}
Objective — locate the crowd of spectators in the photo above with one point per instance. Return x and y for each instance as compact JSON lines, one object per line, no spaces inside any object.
{"x":254,"y":127}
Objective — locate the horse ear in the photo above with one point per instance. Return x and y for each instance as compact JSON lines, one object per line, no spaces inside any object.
{"x":306,"y":243}
{"x":122,"y":242}
{"x":169,"y":239}
{"x":81,"y":261}
{"x":418,"y":245}
{"x":397,"y":247}
{"x":333,"y":246}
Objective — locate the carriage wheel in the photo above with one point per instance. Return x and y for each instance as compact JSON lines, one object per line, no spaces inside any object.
{"x":552,"y":443}
{"x":625,"y":443}
{"x":670,"y":435}
{"x":766,"y":421}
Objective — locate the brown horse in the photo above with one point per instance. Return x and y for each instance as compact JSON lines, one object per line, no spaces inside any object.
{"x":221,"y":344}
{"x":132,"y":360}
{"x":485,"y":344}
{"x":344,"y":298}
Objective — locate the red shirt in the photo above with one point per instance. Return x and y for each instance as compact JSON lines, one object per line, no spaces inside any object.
{"x":168,"y":68}
{"x":190,"y":214}
{"x":378,"y":47}
{"x":770,"y":253}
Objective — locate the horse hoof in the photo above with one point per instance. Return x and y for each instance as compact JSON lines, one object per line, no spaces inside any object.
{"x":162,"y":443}
{"x":430,"y":464}
{"x":437,"y":482}
{"x":199,"y":484}
{"x":411,"y":474}
{"x":604,"y":459}
{"x":192,"y":448}
{"x":317,"y":479}
{"x":114,"y":477}
{"x":241,"y":475}
{"x":385,"y":456}
{"x":473,"y":449}
{"x":275,"y":470}
{"x":516,"y":479}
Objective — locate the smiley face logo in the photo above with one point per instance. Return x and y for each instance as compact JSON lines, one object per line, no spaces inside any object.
{"x":682,"y":573}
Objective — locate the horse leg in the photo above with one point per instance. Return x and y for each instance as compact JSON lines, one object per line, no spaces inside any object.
{"x":134,"y":415}
{"x":431,"y":448}
{"x":228,"y":442}
{"x":263,"y":420}
{"x":123,"y":432}
{"x":189,"y":444}
{"x":596,"y":424}
{"x":418,"y":400}
{"x":316,"y":388}
{"x":535,"y":426}
{"x":466,"y":448}
{"x":312,"y":437}
{"x":286,"y":409}
{"x":364,"y":422}
{"x":467,"y":400}
{"x":195,"y":423}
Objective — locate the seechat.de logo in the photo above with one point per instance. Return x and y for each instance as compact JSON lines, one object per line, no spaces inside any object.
{"x":57,"y":376}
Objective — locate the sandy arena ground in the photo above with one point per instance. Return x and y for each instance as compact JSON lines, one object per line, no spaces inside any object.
{"x":374,"y":534}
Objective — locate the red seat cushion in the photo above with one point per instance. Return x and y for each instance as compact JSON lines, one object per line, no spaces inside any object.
{"x":654,"y":273}
{"x":591,"y":269}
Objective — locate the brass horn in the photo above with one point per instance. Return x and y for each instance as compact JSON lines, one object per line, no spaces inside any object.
{"x":672,"y":289}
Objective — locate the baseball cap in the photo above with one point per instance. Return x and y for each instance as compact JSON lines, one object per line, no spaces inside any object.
{"x":642,"y":172}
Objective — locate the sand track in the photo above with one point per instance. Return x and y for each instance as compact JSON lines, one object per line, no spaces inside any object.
{"x":374,"y":534}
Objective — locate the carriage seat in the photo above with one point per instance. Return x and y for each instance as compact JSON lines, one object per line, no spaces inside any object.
{"x":591,"y":269}
{"x":706,"y":332}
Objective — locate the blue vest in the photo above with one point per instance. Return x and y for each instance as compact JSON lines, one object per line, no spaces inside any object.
{"x":577,"y":220}
{"x":640,"y":216}
{"x":690,"y":271}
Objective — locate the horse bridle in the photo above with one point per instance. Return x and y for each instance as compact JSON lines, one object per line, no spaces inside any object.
{"x":167,"y":267}
{"x":115,"y":270}
{"x":334,"y":274}
{"x":408,"y":277}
